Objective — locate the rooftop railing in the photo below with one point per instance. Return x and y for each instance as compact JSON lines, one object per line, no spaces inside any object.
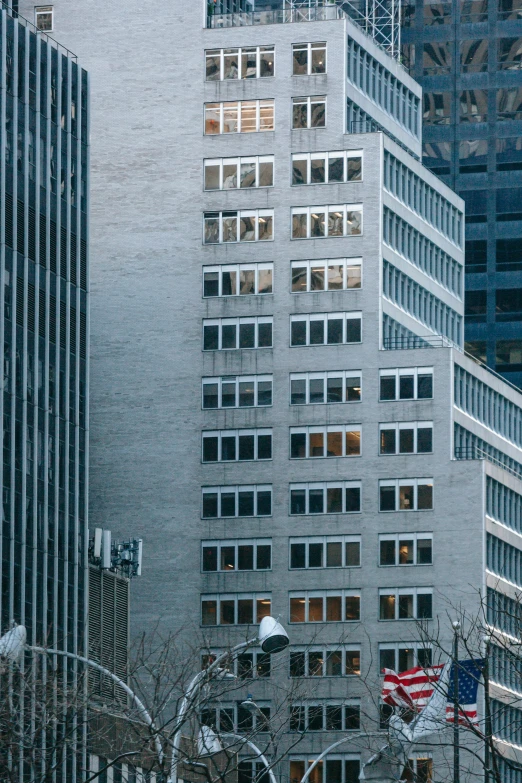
{"x":473,"y":452}
{"x":414,"y":341}
{"x":32,"y":27}
{"x":320,"y":13}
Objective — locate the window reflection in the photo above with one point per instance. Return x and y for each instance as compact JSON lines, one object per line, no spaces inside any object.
{"x":509,"y":154}
{"x":509,"y":103}
{"x":473,"y":11}
{"x":474,"y":55}
{"x":473,"y":105}
{"x":437,"y":13}
{"x":509,"y":53}
{"x":437,"y":108}
{"x":473,"y":156}
{"x":437,"y":58}
{"x":436,"y":155}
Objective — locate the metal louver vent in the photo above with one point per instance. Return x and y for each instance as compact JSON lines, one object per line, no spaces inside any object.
{"x":83,"y":264}
{"x":19,"y":301}
{"x":83,"y":335}
{"x":41,"y":313}
{"x":31,"y":306}
{"x":63,"y":324}
{"x":73,"y":259}
{"x":31,"y":234}
{"x":63,"y":252}
{"x":20,"y":232}
{"x":43,"y":241}
{"x":53,"y":247}
{"x":9,"y":219}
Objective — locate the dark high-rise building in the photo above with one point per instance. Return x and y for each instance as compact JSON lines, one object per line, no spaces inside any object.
{"x":467,"y":54}
{"x":44,"y":323}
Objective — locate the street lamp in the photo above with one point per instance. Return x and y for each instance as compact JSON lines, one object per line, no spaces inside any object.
{"x":273,"y":639}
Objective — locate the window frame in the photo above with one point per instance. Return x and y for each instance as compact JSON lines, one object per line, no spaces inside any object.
{"x":221,"y":489}
{"x":397,"y":372}
{"x":324,"y":650}
{"x":404,"y":425}
{"x":239,"y":161}
{"x":415,"y":483}
{"x":304,"y":596}
{"x":220,"y":543}
{"x":343,"y":375}
{"x":342,"y":429}
{"x":415,"y":647}
{"x":397,"y":592}
{"x":238,"y":215}
{"x":347,"y":264}
{"x":308,"y":318}
{"x":47,"y":11}
{"x":309,"y":101}
{"x":322,"y":705}
{"x":326,"y":156}
{"x":220,"y":322}
{"x":260,"y":48}
{"x":221,"y":269}
{"x":256,"y":432}
{"x":327,"y":209}
{"x":220,"y":107}
{"x":324,"y":486}
{"x":219,"y":380}
{"x":324,"y":541}
{"x":397,"y":538}
{"x":219,"y":598}
{"x":299,"y":46}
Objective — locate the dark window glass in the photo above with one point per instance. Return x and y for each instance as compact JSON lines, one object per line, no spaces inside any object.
{"x":227,"y":617}
{"x":476,"y":205}
{"x":385,"y":713}
{"x":334,"y":554}
{"x":509,"y":104}
{"x":245,"y":503}
{"x":474,"y":55}
{"x":436,"y":155}
{"x":473,"y":105}
{"x":334,"y":500}
{"x":316,"y":390}
{"x":298,"y":445}
{"x":228,"y":395}
{"x":353,"y":330}
{"x":388,"y":442}
{"x":264,"y":503}
{"x":424,"y":606}
{"x":210,"y":449}
{"x":437,"y":107}
{"x":210,"y":504}
{"x":317,"y":332}
{"x":437,"y":58}
{"x":247,"y":335}
{"x":334,"y":722}
{"x":473,"y":156}
{"x":425,"y":386}
{"x":246,"y":394}
{"x":424,"y":440}
{"x":299,"y":172}
{"x":352,"y":769}
{"x":228,"y":336}
{"x":388,"y":387}
{"x":424,"y":550}
{"x":210,"y":395}
{"x":228,"y":558}
{"x":353,"y":499}
{"x":298,"y":501}
{"x":509,"y":304}
{"x":352,"y":718}
{"x":387,"y":499}
{"x":297,"y":664}
{"x":298,"y":332}
{"x":387,"y":553}
{"x":424,"y":496}
{"x":315,"y":718}
{"x":508,"y":355}
{"x":406,"y":441}
{"x":263,"y":557}
{"x":476,"y":255}
{"x":245,"y":557}
{"x":228,"y":504}
{"x":264,"y":393}
{"x":264,"y":447}
{"x":509,"y":153}
{"x":315,"y":556}
{"x":210,"y":338}
{"x":334,"y":391}
{"x":477,"y":349}
{"x":509,"y":204}
{"x":476,"y":306}
{"x":406,"y":387}
{"x":336,"y":170}
{"x":297,"y":555}
{"x":210,"y":558}
{"x":315,"y":501}
{"x":245,"y":611}
{"x":387,"y":659}
{"x":211,"y":284}
{"x":424,"y":657}
{"x":335,"y":330}
{"x":353,"y":389}
{"x":509,"y":255}
{"x":246,"y":447}
{"x":228,"y":448}
{"x":353,"y":553}
{"x":263,"y":665}
{"x":264,"y":335}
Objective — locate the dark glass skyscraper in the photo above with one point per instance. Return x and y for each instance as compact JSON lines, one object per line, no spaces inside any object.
{"x":467,"y":54}
{"x":44,"y":322}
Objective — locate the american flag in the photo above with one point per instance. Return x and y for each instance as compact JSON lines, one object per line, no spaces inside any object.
{"x":412,"y":689}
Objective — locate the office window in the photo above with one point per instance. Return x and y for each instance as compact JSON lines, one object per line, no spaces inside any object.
{"x":333,"y":441}
{"x":330,"y":274}
{"x":236,"y":445}
{"x":239,"y":116}
{"x":309,"y":112}
{"x":246,"y":666}
{"x":406,"y":383}
{"x":44,"y":18}
{"x":509,"y":103}
{"x":237,"y":391}
{"x":436,"y":58}
{"x":325,"y":497}
{"x":325,"y":329}
{"x":509,"y":204}
{"x":319,"y":388}
{"x":415,"y":437}
{"x":325,"y":717}
{"x":473,"y":105}
{"x":475,"y":308}
{"x":419,"y":768}
{"x":320,"y":606}
{"x":436,"y":108}
{"x":508,"y":355}
{"x":336,"y":768}
{"x":238,"y":280}
{"x":233,"y":173}
{"x":406,"y":549}
{"x":436,"y":155}
{"x":236,"y":555}
{"x":308,"y":58}
{"x":342,"y":661}
{"x":476,"y":205}
{"x":224,"y":334}
{"x":476,"y":255}
{"x":406,"y":603}
{"x":234,"y":609}
{"x":406,"y":494}
{"x":473,"y":156}
{"x":473,"y":11}
{"x":508,"y":304}
{"x":253,"y":62}
{"x":325,"y":552}
{"x":327,"y":221}
{"x":509,"y":9}
{"x":474,"y":55}
{"x":509,"y":255}
{"x":509,"y":153}
{"x":436,"y":12}
{"x":234,"y":718}
{"x":401,"y":657}
{"x":237,"y":501}
{"x":250,"y":225}
{"x":319,"y":168}
{"x":509,"y":54}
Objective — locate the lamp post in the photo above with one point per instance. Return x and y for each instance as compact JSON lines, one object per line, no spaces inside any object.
{"x":456,"y":746}
{"x":334,"y":745}
{"x":273,"y":639}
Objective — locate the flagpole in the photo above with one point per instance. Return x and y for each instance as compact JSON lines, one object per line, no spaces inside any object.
{"x":456,"y":747}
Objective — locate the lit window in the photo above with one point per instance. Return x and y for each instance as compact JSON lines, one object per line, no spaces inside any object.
{"x":320,"y":606}
{"x":239,"y":117}
{"x":308,"y":58}
{"x":43,"y":15}
{"x":408,"y":603}
{"x":234,"y":609}
{"x":406,"y":549}
{"x":332,"y":441}
{"x":331,"y":274}
{"x":414,"y":494}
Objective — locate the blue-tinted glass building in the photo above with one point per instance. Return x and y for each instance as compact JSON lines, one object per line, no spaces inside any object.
{"x":44,"y":323}
{"x":467,"y":54}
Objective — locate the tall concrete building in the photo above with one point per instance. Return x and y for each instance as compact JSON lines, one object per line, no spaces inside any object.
{"x":283,"y":410}
{"x":43,"y":271}
{"x":467,"y":57}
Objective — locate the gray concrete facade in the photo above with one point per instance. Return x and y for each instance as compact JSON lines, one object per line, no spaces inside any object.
{"x":147,"y":66}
